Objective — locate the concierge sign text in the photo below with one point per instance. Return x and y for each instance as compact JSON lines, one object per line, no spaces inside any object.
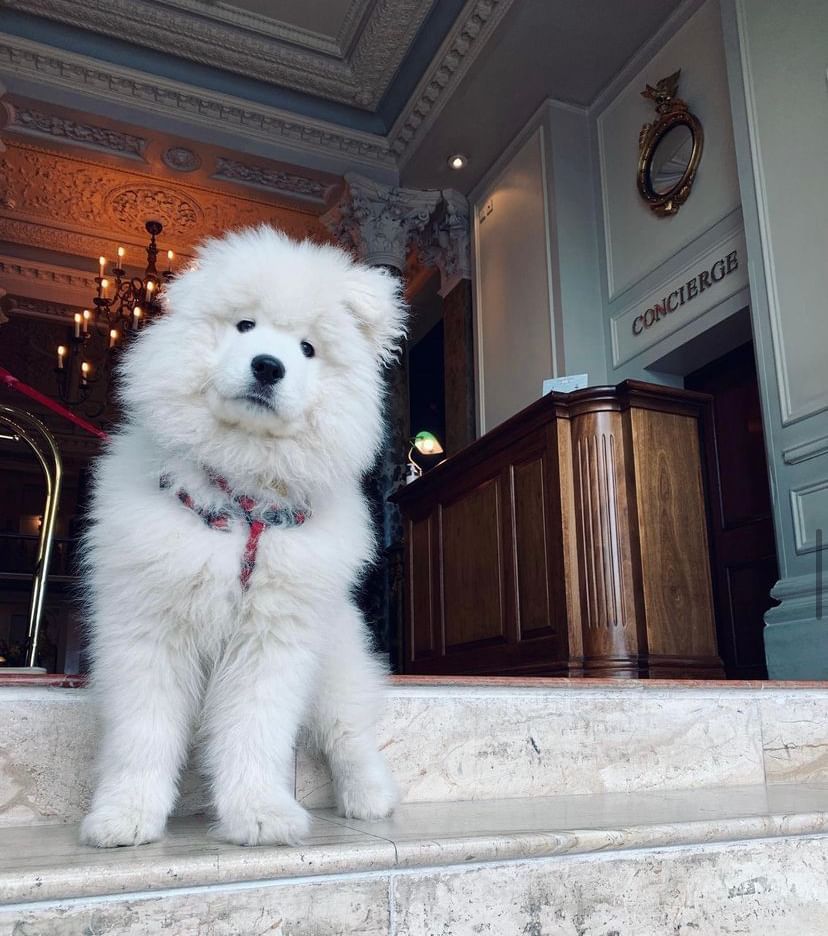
{"x":700,"y":287}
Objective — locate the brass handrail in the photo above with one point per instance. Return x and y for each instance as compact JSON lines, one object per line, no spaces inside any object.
{"x":32,"y":431}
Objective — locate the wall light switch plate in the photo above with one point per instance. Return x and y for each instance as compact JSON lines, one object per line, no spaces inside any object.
{"x":565,"y":384}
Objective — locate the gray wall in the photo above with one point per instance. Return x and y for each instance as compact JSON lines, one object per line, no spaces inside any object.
{"x":777,"y":55}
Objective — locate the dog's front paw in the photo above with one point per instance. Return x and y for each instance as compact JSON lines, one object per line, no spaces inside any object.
{"x":120,"y":824}
{"x":370,"y":794}
{"x":281,"y":823}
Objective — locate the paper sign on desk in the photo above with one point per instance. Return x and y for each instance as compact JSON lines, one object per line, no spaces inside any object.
{"x":565,"y":384}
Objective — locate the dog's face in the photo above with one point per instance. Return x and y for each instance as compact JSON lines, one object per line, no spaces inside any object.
{"x":264,"y":374}
{"x":272,"y":350}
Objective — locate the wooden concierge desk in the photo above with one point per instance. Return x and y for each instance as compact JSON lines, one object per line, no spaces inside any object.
{"x":571,"y":540}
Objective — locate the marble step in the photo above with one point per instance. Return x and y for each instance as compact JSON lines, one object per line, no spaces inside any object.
{"x":479,"y":740}
{"x":737,"y":860}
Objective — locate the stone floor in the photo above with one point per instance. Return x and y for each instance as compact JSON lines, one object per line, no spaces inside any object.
{"x":450,"y":868}
{"x":530,"y":807}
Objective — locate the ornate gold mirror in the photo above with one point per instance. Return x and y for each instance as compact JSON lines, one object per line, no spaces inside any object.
{"x":669,"y":149}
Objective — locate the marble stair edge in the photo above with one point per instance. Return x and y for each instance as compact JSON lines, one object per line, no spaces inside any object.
{"x":745,"y":875}
{"x":476,"y":743}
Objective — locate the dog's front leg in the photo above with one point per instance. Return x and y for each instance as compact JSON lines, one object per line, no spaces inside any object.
{"x":343,"y":721}
{"x":255,"y":702}
{"x":146,"y":692}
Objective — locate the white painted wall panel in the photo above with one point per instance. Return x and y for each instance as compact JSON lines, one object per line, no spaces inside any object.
{"x":514,"y":332}
{"x":786,"y":55}
{"x":637,"y":241}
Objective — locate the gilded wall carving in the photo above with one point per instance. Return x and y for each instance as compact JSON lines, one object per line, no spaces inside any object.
{"x":71,"y":204}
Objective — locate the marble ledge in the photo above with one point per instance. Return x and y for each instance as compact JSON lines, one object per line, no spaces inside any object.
{"x":77,"y":681}
{"x":43,"y":863}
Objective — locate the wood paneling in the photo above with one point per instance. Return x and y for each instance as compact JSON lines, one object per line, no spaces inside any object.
{"x":473,"y":566}
{"x":678,"y":594}
{"x":531,"y":551}
{"x":458,"y":366}
{"x":421,"y":589}
{"x":570,"y":540}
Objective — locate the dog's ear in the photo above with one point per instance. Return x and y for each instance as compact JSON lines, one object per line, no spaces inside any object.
{"x":374,"y":296}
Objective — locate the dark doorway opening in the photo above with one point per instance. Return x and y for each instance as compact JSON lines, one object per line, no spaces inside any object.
{"x":743,"y":544}
{"x":427,"y":383}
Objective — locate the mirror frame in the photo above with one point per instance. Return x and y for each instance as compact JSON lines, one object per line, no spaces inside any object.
{"x":673,"y":112}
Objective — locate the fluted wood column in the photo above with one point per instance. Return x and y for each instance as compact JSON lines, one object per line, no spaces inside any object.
{"x":570,"y":540}
{"x":608,"y":554}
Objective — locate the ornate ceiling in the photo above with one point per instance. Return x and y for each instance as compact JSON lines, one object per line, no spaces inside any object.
{"x":342,"y":50}
{"x":72,"y":189}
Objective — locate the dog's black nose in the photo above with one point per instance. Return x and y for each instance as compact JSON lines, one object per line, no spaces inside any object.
{"x":267,"y":369}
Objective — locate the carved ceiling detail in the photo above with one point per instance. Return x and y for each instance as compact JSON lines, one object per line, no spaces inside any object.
{"x":181,"y":159}
{"x":64,"y":279}
{"x":38,"y":123}
{"x":461,"y":47}
{"x":357,"y":73}
{"x":56,"y":69}
{"x":131,"y":206}
{"x":62,"y":202}
{"x":266,"y":177}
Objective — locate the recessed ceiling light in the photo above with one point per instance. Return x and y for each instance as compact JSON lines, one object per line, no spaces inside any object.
{"x":458,"y":161}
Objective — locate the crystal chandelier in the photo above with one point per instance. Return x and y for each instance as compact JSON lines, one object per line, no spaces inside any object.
{"x":121,"y":306}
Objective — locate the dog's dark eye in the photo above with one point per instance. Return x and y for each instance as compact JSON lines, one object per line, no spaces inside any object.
{"x":245,"y":325}
{"x":307,"y":349}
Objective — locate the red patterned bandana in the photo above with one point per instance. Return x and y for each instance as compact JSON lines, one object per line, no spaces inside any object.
{"x":258,"y":518}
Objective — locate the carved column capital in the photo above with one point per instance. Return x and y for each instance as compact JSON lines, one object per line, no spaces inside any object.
{"x":452,"y":236}
{"x":378,"y":221}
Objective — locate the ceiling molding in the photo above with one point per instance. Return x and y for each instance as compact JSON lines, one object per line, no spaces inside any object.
{"x":357,"y":73}
{"x":34,"y":122}
{"x":270,"y":179}
{"x":49,"y":68}
{"x":28,"y":307}
{"x":465,"y":41}
{"x":58,"y":287}
{"x":358,"y":150}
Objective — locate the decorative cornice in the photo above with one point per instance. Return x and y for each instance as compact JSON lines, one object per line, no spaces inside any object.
{"x":270,"y":179}
{"x":447,"y":244}
{"x":161,"y":97}
{"x":181,"y":159}
{"x":459,"y":50}
{"x":27,"y":307}
{"x":37,"y":123}
{"x":377,"y":222}
{"x":356,"y":73}
{"x":171,"y":99}
{"x":12,"y":268}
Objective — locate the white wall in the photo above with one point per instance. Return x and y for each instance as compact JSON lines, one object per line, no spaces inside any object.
{"x":646,"y":256}
{"x":537,"y":285}
{"x":513,"y":296}
{"x":777,"y":60}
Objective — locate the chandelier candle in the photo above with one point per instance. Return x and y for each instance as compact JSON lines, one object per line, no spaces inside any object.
{"x":122,"y":303}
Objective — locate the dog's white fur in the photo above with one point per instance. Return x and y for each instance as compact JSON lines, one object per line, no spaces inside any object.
{"x":179,"y":649}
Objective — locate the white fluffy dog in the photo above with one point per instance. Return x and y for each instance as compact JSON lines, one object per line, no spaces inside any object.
{"x":228,"y":529}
